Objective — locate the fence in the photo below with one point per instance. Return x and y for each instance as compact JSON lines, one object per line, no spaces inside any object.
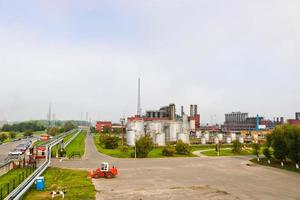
{"x":15,"y":179}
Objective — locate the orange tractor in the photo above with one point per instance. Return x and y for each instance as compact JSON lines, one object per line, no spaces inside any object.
{"x":104,"y":171}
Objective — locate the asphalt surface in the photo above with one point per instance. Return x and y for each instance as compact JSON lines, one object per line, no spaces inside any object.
{"x":188,"y":178}
{"x":7,"y":147}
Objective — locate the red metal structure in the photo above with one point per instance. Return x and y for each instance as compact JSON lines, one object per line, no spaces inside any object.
{"x":104,"y":171}
{"x":100,"y":125}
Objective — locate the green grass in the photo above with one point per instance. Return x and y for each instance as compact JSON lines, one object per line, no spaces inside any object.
{"x":227,"y":152}
{"x":75,"y":182}
{"x":10,"y":176}
{"x":289,"y":166}
{"x":77,"y":145}
{"x":155,"y":153}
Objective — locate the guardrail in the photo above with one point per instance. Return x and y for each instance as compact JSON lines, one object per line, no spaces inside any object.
{"x":71,"y":139}
{"x":26,"y":184}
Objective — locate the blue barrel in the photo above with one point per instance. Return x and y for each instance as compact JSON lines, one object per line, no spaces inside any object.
{"x":40,"y":183}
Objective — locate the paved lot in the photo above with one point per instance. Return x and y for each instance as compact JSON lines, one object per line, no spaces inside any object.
{"x":7,"y":147}
{"x":188,"y":178}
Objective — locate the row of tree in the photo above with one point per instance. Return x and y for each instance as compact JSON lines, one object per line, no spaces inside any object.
{"x":23,"y":126}
{"x":284,"y":144}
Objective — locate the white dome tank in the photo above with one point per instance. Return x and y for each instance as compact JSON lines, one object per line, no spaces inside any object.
{"x":216,"y":140}
{"x":220,"y":136}
{"x":192,"y":125}
{"x":198,"y":134}
{"x":233,"y":136}
{"x":183,"y":137}
{"x":130,"y":136}
{"x":241,"y":139}
{"x":160,"y":139}
{"x":174,"y":128}
{"x":228,"y":140}
{"x":206,"y":136}
{"x":203,"y":140}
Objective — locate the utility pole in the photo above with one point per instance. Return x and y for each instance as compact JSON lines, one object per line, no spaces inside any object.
{"x":122,"y":120}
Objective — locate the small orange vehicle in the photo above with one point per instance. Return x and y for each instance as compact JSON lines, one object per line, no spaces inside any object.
{"x":104,"y":171}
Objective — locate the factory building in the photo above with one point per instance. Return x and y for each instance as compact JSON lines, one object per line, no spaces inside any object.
{"x":237,"y":121}
{"x":100,"y":125}
{"x":163,"y":125}
{"x":295,"y":121}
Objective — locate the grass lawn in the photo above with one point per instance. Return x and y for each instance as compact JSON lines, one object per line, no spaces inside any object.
{"x":274,"y":163}
{"x":227,"y":152}
{"x":75,"y":182}
{"x":77,"y":145}
{"x":9,"y":177}
{"x":155,"y":153}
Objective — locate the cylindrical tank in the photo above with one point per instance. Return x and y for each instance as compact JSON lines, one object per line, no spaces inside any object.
{"x":130,"y":136}
{"x":216,"y":140}
{"x":206,"y":136}
{"x":233,"y":136}
{"x":183,"y":137}
{"x":139,"y":127}
{"x":198,"y":134}
{"x":160,"y":139}
{"x":228,"y":140}
{"x":241,"y":139}
{"x":192,"y":125}
{"x":220,"y":136}
{"x":173,"y":130}
{"x":203,"y":140}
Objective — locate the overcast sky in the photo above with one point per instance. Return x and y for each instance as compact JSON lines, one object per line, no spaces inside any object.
{"x":86,"y":56}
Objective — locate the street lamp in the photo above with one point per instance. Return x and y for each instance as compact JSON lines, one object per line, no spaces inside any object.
{"x":122,"y":120}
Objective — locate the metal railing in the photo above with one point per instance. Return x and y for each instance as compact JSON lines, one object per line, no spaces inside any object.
{"x":26,"y":184}
{"x":71,"y":139}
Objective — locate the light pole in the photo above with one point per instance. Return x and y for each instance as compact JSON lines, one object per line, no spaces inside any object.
{"x":122,"y":120}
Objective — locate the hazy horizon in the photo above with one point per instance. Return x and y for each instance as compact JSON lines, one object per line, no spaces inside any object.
{"x":223,"y":56}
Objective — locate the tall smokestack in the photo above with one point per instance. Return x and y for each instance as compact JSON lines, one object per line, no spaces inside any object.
{"x":139,"y":109}
{"x":182,"y":111}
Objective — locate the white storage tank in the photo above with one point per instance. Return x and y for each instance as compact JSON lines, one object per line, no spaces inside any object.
{"x":233,"y":136}
{"x":139,"y":127}
{"x":206,"y":136}
{"x":174,"y":128}
{"x":192,"y":125}
{"x":228,"y":140}
{"x":216,"y":140}
{"x":183,"y":137}
{"x":198,"y":134}
{"x":160,"y":139}
{"x":220,"y":136}
{"x":203,"y":140}
{"x":130,"y":137}
{"x":241,"y":139}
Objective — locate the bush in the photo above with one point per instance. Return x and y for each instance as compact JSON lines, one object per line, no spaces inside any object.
{"x":168,"y":151}
{"x":62,"y":152}
{"x":28,"y":133}
{"x":255,"y":149}
{"x":12,"y":135}
{"x":53,"y":131}
{"x":110,"y":142}
{"x":123,"y":149}
{"x":267,"y":153}
{"x":3,"y":137}
{"x":182,"y":148}
{"x":236,"y":146}
{"x":143,"y":146}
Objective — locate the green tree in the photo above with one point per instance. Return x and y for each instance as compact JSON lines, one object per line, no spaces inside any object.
{"x":110,"y":141}
{"x":169,"y":150}
{"x":267,"y":154}
{"x":28,"y":133}
{"x":3,"y":137}
{"x":12,"y":135}
{"x":68,"y":126}
{"x":53,"y":131}
{"x":236,"y":146}
{"x":143,"y":146}
{"x":292,"y":139}
{"x":182,"y":148}
{"x":255,"y":150}
{"x":106,"y":129}
{"x":279,"y":145}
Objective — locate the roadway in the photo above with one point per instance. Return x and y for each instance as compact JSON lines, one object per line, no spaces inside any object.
{"x":226,"y":178}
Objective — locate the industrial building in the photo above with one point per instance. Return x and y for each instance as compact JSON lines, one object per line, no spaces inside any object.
{"x":164,"y":125}
{"x":237,"y":121}
{"x":100,"y":125}
{"x":295,"y":121}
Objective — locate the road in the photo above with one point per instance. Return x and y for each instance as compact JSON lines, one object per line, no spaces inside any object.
{"x":7,"y":147}
{"x":188,"y":178}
